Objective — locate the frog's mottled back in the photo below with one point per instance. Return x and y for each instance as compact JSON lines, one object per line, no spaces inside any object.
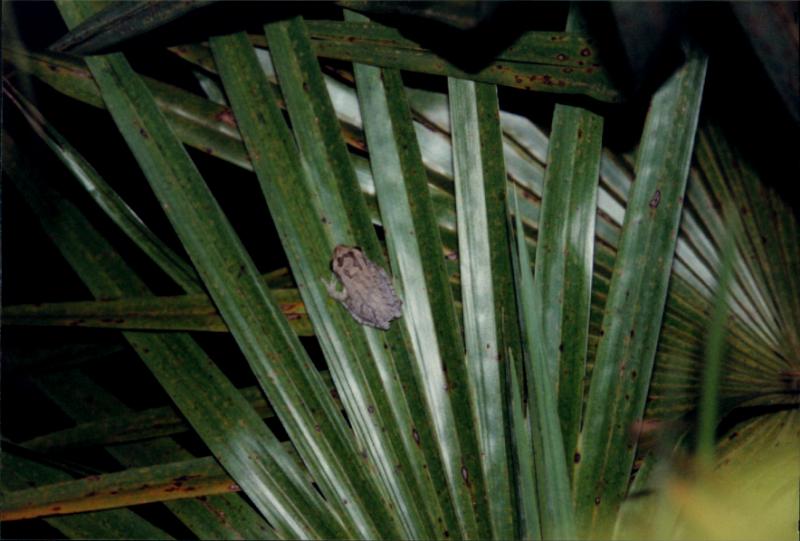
{"x":368,"y":293}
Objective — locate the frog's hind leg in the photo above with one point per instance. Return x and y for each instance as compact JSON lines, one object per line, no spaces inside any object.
{"x":369,"y":317}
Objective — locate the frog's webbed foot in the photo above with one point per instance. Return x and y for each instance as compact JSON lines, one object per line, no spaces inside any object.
{"x":331,"y":287}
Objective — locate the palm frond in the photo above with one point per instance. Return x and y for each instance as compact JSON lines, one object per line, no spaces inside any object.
{"x":569,"y":314}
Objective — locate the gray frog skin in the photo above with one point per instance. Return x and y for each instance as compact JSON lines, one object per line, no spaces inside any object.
{"x":368,"y":293}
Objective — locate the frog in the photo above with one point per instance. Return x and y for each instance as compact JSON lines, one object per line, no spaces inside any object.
{"x":368,"y":293}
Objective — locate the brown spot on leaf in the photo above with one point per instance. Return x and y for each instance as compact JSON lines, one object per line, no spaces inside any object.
{"x":656,"y":199}
{"x":226,"y":117}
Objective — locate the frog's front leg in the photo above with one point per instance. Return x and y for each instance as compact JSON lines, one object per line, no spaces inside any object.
{"x":331,"y":287}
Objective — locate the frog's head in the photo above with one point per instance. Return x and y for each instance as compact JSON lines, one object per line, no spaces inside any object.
{"x":345,"y":257}
{"x":342,"y":249}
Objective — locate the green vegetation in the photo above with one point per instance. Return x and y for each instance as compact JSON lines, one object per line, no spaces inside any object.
{"x":579,"y":328}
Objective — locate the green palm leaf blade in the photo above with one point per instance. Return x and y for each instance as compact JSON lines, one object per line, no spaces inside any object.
{"x":177,"y":313}
{"x":550,"y":464}
{"x":530,"y":47}
{"x":224,"y":516}
{"x":20,"y":473}
{"x":121,"y":21}
{"x":174,"y":480}
{"x":545,"y":61}
{"x":527,"y":499}
{"x":634,"y":308}
{"x":416,"y":252}
{"x":245,"y":446}
{"x":565,"y":245}
{"x":480,"y":186}
{"x":304,"y":237}
{"x":67,"y":75}
{"x":198,"y":122}
{"x":424,"y":443}
{"x":565,"y":240}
